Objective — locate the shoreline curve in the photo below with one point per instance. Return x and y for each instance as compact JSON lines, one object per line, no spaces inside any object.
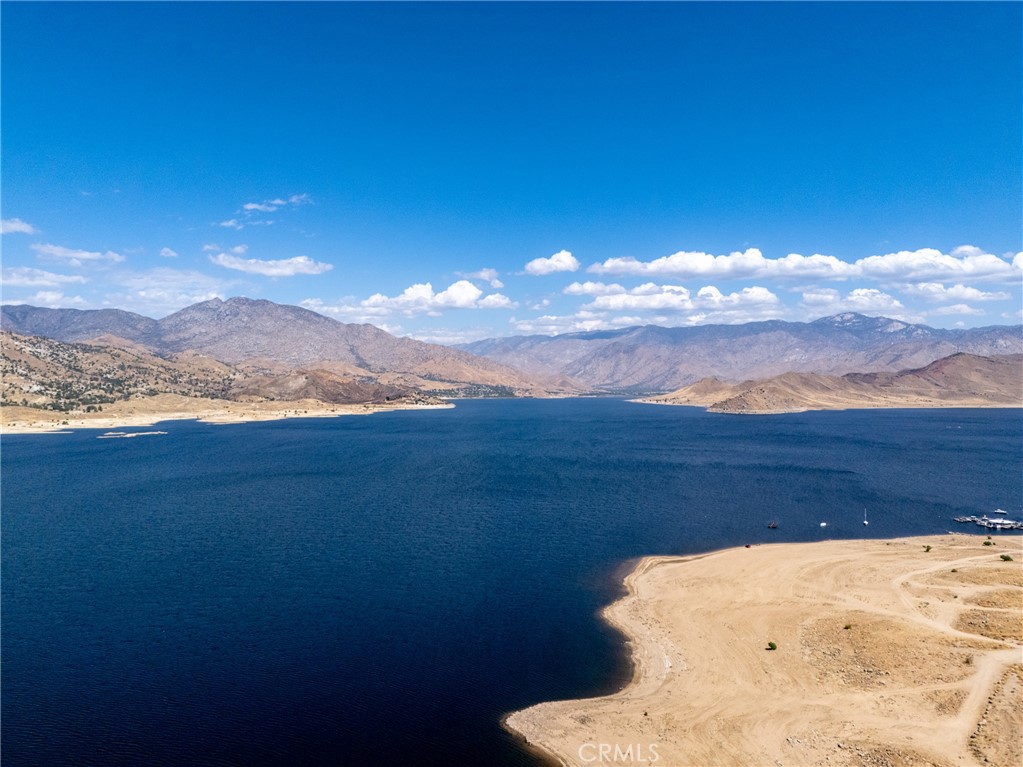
{"x":869,"y":633}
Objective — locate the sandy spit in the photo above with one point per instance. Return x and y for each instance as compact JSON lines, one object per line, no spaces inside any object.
{"x":887,"y":654}
{"x":169,"y":407}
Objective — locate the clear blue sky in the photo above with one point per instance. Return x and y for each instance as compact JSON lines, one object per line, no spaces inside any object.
{"x":543,"y":167}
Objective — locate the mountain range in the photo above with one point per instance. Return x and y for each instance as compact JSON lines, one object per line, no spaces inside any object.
{"x":960,"y":380}
{"x":272,"y":338}
{"x":277,"y":351}
{"x":658,"y":359}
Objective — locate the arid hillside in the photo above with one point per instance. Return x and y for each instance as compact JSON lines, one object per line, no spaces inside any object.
{"x":73,"y":377}
{"x":960,"y":380}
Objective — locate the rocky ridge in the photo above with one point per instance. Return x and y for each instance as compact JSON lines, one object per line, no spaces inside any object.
{"x":658,"y":359}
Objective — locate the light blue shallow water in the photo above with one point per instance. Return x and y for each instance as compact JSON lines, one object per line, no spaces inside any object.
{"x":382,"y":589}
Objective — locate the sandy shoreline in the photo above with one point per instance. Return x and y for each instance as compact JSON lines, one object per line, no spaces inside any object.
{"x":887,"y":654}
{"x":907,"y":404}
{"x":169,"y":407}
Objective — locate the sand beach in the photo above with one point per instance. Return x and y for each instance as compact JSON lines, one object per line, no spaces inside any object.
{"x":172,"y":407}
{"x":901,"y":653}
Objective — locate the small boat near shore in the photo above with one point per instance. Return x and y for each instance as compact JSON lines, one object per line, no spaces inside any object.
{"x":772,"y":525}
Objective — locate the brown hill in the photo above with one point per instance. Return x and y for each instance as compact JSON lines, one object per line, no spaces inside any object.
{"x":960,"y":380}
{"x":44,"y":373}
{"x":319,"y":385}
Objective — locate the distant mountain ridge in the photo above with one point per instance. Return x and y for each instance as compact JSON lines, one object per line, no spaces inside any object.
{"x":264,"y":337}
{"x":241,"y":329}
{"x":652,"y":358}
{"x":962,"y":380}
{"x":70,"y":325}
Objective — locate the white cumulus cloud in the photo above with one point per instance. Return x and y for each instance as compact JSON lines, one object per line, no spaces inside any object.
{"x":938,"y":293}
{"x":348,"y":310}
{"x":667,"y":305}
{"x":647,"y":297}
{"x":74,"y":256}
{"x":747,"y":263}
{"x":16,"y":226}
{"x":677,"y":298}
{"x":51,"y":299}
{"x":553,"y":324}
{"x":710,"y":297}
{"x":488,"y":275}
{"x":709,"y":304}
{"x":496,"y":301}
{"x":739,"y":264}
{"x":284,"y":267}
{"x":161,"y":290}
{"x":420,"y":298}
{"x":864,"y":300}
{"x":238,"y":250}
{"x":28,"y":277}
{"x":955,"y":310}
{"x":168,"y":253}
{"x":562,"y":261}
{"x":589,"y":288}
{"x":965,"y":263}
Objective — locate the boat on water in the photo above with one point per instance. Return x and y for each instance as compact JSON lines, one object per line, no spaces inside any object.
{"x":997,"y":523}
{"x":999,"y":511}
{"x":772,"y":525}
{"x":1003,"y":524}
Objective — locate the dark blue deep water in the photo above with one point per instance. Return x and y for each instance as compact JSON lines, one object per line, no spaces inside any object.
{"x":380,"y":590}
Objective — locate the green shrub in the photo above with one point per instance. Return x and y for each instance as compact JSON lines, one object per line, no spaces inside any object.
{"x":772,"y":646}
{"x":847,"y":626}
{"x":1006,"y":558}
{"x":927,"y":548}
{"x":988,"y":543}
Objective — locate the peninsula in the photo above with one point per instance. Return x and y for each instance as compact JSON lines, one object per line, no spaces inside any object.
{"x":853,"y":652}
{"x":959,"y":380}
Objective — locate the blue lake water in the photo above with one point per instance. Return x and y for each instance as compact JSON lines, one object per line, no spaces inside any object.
{"x":380,"y":590}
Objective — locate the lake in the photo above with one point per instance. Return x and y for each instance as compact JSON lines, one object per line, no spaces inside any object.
{"x":383,"y":589}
